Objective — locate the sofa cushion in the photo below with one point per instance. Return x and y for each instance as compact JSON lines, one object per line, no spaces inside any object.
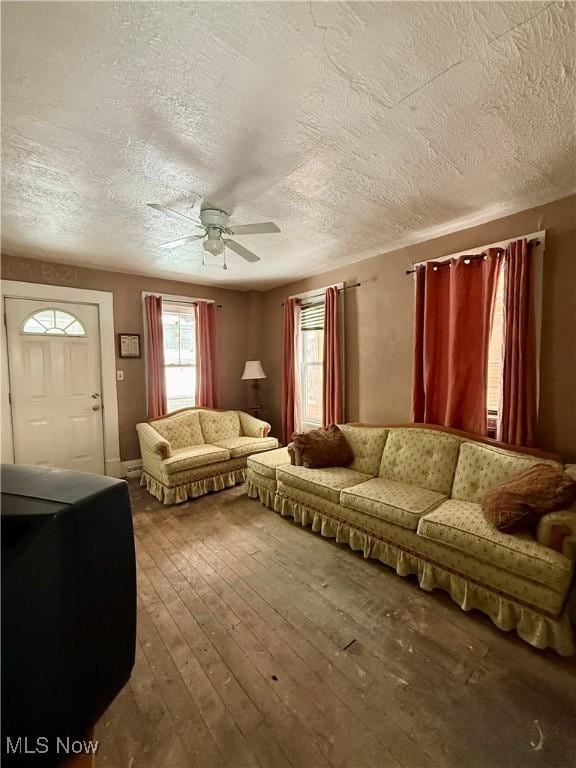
{"x":461,"y":525}
{"x":423,"y":457}
{"x":398,"y":503}
{"x":244,"y":446}
{"x":267,"y":463}
{"x":367,"y":444}
{"x":481,"y":467}
{"x":226,"y":468}
{"x":219,"y":425}
{"x":194,"y":456}
{"x":327,"y":482}
{"x":181,"y":429}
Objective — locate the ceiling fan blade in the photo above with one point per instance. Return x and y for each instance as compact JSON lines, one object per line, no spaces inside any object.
{"x":170,"y":212}
{"x":181,"y":241}
{"x":255,"y":229}
{"x":241,"y":251}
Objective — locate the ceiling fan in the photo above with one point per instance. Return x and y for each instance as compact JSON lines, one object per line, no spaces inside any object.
{"x":213,"y":224}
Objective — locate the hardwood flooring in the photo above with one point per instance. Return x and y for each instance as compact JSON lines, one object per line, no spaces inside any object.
{"x":263,"y":644}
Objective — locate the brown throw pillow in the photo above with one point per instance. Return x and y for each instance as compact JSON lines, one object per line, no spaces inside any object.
{"x":518,"y":504}
{"x":323,"y":448}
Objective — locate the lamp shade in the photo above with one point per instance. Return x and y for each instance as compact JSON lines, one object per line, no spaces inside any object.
{"x":253,"y":370}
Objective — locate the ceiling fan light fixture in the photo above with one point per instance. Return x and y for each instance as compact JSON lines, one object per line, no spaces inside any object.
{"x":214,"y":243}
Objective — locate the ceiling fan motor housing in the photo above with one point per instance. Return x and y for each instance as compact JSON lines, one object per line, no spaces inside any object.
{"x":212,"y":217}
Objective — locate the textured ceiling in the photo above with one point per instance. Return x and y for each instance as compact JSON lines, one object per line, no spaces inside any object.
{"x":356,"y":127}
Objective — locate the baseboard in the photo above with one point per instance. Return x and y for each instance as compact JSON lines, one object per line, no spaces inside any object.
{"x":114,"y":467}
{"x":132,"y":469}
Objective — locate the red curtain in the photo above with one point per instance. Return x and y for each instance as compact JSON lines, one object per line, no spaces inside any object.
{"x":453,"y":318}
{"x":155,"y":357}
{"x":418,"y":413}
{"x":332,"y":391}
{"x":290,"y":383}
{"x":206,"y":353}
{"x":518,"y":411}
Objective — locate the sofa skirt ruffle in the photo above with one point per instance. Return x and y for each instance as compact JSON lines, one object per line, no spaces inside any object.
{"x":255,"y":491}
{"x":194,"y":489}
{"x":534,"y":628}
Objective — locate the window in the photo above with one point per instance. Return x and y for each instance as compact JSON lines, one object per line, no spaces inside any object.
{"x":312,"y":362}
{"x":179,"y":354}
{"x":53,"y":322}
{"x":495,"y":358}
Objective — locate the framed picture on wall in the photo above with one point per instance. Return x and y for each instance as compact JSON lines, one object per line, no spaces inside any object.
{"x":129,"y":345}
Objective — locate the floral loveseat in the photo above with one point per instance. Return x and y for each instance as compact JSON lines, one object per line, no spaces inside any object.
{"x":411,"y":498}
{"x":194,"y":451}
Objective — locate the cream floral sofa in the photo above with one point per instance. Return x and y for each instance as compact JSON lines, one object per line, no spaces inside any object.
{"x":411,"y":498}
{"x":194,"y":451}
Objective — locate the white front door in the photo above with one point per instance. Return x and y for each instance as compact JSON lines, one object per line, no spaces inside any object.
{"x":55,"y":384}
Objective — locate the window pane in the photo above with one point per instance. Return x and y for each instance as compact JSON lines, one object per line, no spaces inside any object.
{"x":62,"y":319}
{"x":46,"y":317}
{"x":495,"y":350}
{"x":313,"y":346}
{"x":187,"y":340}
{"x":312,"y":393}
{"x":176,"y":403}
{"x":179,"y":338}
{"x":33,"y":326}
{"x":75,"y":329}
{"x":180,"y":386}
{"x":55,"y":322}
{"x":171,"y":338}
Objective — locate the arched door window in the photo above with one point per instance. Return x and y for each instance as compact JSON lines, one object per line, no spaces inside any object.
{"x":53,"y":322}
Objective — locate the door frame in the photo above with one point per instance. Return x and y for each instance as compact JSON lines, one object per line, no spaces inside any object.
{"x":103,"y":300}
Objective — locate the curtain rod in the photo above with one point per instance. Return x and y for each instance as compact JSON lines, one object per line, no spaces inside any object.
{"x":319,"y":295}
{"x":172,"y":298}
{"x":190,"y":303}
{"x":447,"y":260}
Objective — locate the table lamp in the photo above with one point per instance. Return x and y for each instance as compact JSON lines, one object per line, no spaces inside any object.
{"x":254,"y":372}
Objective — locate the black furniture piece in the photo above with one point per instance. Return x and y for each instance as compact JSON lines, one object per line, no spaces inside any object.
{"x":68,"y":607}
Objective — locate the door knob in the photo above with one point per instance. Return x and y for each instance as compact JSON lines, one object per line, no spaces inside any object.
{"x":95,"y":407}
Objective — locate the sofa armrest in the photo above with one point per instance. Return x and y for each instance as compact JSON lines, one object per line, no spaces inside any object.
{"x":558,"y":531}
{"x":253,"y":427}
{"x":152,"y":442}
{"x":295,"y":455}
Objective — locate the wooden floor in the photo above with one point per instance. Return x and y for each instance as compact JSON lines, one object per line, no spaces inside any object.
{"x":263,"y":644}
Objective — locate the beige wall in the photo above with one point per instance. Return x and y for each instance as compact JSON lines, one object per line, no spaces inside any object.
{"x":127,"y":291}
{"x":378,"y":327}
{"x":378,"y":324}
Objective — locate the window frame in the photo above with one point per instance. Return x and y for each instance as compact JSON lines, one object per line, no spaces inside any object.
{"x":304,"y":366}
{"x":53,"y":330}
{"x":493,"y":410}
{"x":180,"y":309}
{"x":169,"y":299}
{"x":309,"y":297}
